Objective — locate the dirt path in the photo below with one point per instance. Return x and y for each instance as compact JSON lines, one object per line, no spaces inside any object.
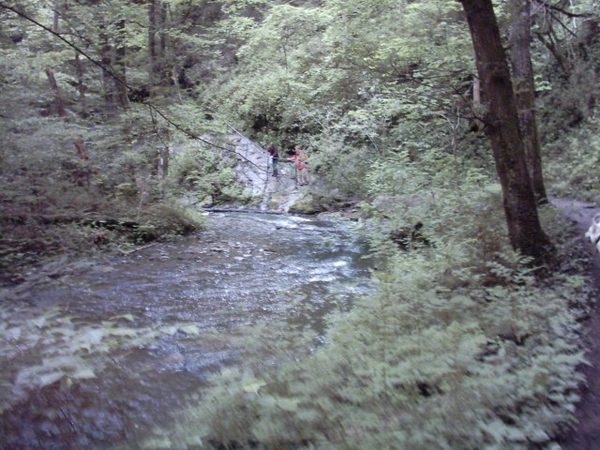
{"x":586,"y":434}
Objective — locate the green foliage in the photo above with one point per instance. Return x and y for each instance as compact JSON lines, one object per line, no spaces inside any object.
{"x":164,"y":220}
{"x":48,"y":191}
{"x":459,"y":347}
{"x":277,"y":61}
{"x":437,"y":357}
{"x":206,"y":171}
{"x":576,"y":157}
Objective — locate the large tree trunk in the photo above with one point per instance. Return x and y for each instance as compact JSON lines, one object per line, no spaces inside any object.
{"x":520,"y":55}
{"x":114,"y":70}
{"x":502,"y":127}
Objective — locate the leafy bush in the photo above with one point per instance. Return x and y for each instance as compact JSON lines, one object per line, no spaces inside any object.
{"x":575,"y":159}
{"x":207,"y":172}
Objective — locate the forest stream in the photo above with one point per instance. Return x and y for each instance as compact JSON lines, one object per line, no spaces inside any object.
{"x":100,"y":353}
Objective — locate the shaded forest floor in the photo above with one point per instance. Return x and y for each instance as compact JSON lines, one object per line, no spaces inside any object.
{"x":586,"y":434}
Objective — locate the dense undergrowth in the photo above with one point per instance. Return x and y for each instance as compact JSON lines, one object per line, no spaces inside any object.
{"x":575,"y":158}
{"x":463,"y":344}
{"x":53,"y":203}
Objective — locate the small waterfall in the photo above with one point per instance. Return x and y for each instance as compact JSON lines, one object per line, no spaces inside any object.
{"x":253,"y":167}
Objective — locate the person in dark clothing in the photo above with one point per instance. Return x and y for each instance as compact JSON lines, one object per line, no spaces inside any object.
{"x":274,"y":153}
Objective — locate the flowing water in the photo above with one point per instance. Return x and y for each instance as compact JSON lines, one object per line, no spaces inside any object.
{"x":98,"y":356}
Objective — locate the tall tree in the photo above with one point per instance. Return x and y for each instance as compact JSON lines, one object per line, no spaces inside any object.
{"x":157,"y":46}
{"x":522,"y":76}
{"x":120,"y":66}
{"x":502,"y":127}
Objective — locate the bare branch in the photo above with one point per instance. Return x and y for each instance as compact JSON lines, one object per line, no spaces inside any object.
{"x":559,"y":9}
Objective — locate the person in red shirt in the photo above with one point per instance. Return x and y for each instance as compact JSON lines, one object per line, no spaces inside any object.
{"x":300,"y":162}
